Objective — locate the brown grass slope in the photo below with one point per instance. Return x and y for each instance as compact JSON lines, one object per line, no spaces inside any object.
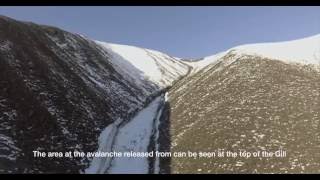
{"x":251,"y":104}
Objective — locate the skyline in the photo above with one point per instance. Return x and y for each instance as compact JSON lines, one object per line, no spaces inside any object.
{"x":186,"y":32}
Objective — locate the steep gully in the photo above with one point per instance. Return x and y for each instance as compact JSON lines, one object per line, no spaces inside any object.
{"x":128,"y":135}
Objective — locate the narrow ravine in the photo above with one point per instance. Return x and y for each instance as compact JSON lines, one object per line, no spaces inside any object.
{"x":134,"y":136}
{"x":154,"y":162}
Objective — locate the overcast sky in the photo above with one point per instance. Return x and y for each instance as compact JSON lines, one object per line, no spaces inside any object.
{"x":187,"y":32}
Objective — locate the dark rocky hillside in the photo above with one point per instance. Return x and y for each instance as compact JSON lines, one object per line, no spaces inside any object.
{"x":57,"y":91}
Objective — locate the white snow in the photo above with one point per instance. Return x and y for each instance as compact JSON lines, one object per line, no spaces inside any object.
{"x":302,"y":51}
{"x":137,"y":57}
{"x":131,"y":137}
{"x":5,"y":45}
{"x":135,"y":137}
{"x":166,"y":97}
{"x":198,"y":65}
{"x":145,"y":64}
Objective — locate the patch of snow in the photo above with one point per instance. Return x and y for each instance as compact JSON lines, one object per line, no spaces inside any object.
{"x":302,"y":51}
{"x":145,"y":64}
{"x":166,"y":97}
{"x":198,"y":65}
{"x":5,"y":45}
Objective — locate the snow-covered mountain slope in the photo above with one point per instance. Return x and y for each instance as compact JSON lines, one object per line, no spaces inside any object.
{"x":150,"y":65}
{"x":302,"y":51}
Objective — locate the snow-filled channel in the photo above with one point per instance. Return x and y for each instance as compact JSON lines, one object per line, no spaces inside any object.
{"x":132,"y":137}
